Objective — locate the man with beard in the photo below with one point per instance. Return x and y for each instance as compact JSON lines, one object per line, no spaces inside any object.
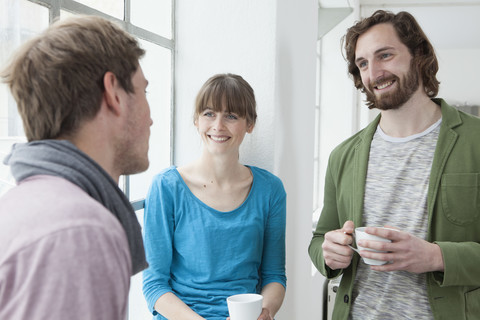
{"x":69,"y":238}
{"x":416,"y":169}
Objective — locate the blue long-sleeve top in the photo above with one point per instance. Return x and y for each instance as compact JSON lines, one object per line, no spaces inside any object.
{"x":203,"y":255}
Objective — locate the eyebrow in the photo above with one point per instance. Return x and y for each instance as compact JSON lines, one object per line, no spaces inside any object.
{"x":375,"y":53}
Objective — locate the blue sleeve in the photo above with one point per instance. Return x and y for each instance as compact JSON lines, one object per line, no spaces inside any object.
{"x":158,"y":237}
{"x":273,"y":261}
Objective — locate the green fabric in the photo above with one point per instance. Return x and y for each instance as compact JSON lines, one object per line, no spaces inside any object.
{"x":453,"y":209}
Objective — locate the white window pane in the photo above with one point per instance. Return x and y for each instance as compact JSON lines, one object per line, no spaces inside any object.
{"x":114,"y":8}
{"x":156,"y":66}
{"x":137,"y":305}
{"x":19,"y":21}
{"x":65,"y":14}
{"x":155,"y":16}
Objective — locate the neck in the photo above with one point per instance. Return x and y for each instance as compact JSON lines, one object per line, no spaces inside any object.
{"x":221,"y":169}
{"x":415,"y":116}
{"x":88,"y":141}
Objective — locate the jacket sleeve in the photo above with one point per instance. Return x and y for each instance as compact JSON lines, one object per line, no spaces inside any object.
{"x":461,"y":260}
{"x":329,"y":220}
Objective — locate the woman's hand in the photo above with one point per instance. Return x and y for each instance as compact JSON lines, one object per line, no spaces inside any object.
{"x":265,"y":315}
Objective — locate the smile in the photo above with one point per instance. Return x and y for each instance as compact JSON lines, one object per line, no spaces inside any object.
{"x":384,"y":85}
{"x":219,"y":139}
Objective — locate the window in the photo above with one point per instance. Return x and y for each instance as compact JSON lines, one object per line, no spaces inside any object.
{"x":149,"y":21}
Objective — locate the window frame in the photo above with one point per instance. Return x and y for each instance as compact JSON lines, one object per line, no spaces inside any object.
{"x":56,"y":6}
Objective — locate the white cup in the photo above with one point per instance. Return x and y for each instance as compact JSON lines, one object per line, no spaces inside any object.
{"x":247,"y":306}
{"x":360,"y":234}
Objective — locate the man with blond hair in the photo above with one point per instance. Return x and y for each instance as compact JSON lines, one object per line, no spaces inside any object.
{"x":69,"y":238}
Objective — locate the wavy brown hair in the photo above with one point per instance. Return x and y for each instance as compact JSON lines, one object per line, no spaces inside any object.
{"x":56,"y":78}
{"x":410,"y":34}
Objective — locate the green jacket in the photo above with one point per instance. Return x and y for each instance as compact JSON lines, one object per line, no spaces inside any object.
{"x":453,"y":213}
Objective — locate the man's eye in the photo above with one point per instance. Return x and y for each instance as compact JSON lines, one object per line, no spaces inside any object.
{"x":362,"y":64}
{"x":385,"y":55}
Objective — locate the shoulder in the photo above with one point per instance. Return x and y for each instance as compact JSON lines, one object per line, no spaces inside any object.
{"x":165,"y":187}
{"x":54,"y":206}
{"x":264,"y":175}
{"x":266,"y":180}
{"x":51,"y":197}
{"x":452,"y":116}
{"x":167,"y":177}
{"x":351,"y":144}
{"x":62,"y":260}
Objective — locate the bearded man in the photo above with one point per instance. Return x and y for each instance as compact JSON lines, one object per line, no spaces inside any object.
{"x":416,"y":169}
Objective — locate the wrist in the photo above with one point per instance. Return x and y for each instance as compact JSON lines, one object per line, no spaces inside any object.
{"x":438,"y":263}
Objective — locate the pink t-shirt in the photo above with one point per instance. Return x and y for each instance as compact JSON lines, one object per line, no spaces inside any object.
{"x":62,"y":254}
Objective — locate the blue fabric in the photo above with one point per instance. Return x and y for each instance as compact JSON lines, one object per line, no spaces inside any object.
{"x":203,"y":255}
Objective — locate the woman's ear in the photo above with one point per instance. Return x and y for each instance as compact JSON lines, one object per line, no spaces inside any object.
{"x":250,"y":127}
{"x":111,"y":93}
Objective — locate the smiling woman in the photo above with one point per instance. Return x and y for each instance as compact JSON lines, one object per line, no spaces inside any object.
{"x":192,"y":211}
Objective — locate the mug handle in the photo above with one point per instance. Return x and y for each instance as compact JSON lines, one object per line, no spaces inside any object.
{"x":354,"y":249}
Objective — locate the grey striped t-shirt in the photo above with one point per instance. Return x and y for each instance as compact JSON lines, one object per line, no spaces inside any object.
{"x":396,"y":195}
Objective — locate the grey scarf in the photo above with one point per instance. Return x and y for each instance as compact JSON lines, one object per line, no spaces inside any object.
{"x":61,"y":158}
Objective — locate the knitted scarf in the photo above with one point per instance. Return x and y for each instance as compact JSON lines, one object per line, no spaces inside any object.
{"x":62,"y":159}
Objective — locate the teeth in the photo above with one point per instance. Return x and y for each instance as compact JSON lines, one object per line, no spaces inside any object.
{"x":383,"y":86}
{"x":219,"y":139}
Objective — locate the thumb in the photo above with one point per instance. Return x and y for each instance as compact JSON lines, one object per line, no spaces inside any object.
{"x":348,"y":227}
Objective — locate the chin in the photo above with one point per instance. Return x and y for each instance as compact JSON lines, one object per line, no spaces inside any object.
{"x":137,"y":167}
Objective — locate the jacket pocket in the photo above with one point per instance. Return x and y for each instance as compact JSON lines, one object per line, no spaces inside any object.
{"x":472,"y":304}
{"x":460,"y":193}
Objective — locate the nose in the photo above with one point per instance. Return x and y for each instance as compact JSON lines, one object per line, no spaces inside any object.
{"x":375,"y":71}
{"x":218,"y":123}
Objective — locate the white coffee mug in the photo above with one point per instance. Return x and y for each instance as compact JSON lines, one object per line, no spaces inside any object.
{"x":360,"y":234}
{"x":247,"y":306}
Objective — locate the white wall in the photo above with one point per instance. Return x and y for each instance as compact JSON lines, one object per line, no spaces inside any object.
{"x":458,"y":75}
{"x":217,"y":36}
{"x":271,"y":43}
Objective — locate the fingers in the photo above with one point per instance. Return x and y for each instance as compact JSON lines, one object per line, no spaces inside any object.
{"x":336,"y":253}
{"x":337,"y":261}
{"x":348,"y":227}
{"x":391,"y":233}
{"x":338,"y":237}
{"x":265,"y":315}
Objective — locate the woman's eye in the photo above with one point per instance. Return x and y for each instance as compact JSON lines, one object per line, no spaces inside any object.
{"x":231,"y":116}
{"x":208,"y":114}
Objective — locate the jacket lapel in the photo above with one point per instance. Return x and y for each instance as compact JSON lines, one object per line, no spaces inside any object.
{"x":361,"y":154}
{"x":446,"y":141}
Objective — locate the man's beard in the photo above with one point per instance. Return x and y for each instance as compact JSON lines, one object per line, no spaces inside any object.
{"x":406,"y":87}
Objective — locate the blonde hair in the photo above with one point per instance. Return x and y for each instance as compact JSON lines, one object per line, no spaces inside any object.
{"x":56,"y":78}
